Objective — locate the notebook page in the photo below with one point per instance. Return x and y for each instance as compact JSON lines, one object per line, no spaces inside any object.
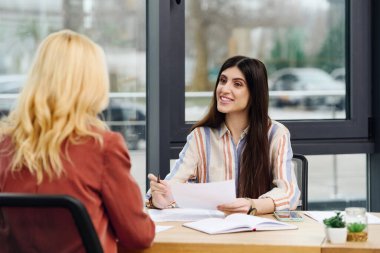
{"x":260,"y":223}
{"x":218,"y":226}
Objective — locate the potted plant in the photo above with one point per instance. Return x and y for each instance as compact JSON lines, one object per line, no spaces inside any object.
{"x":336,"y":231}
{"x":356,"y":222}
{"x":357,"y":232}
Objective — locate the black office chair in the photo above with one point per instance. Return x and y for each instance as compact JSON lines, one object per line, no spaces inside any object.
{"x":45,"y":223}
{"x":301,"y":169}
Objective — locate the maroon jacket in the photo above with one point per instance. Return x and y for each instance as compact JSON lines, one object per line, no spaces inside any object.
{"x":100,"y":178}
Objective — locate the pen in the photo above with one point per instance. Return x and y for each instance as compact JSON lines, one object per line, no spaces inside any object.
{"x":158,"y":178}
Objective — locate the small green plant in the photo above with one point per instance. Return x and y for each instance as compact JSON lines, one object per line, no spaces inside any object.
{"x":335,"y":221}
{"x":356,"y":227}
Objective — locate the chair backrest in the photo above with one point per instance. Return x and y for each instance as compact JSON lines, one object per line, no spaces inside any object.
{"x":45,"y":223}
{"x":301,"y":169}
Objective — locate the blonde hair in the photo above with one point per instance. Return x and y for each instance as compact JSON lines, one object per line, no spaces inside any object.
{"x":67,"y":87}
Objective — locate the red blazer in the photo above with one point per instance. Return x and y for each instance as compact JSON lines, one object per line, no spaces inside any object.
{"x":100,"y":178}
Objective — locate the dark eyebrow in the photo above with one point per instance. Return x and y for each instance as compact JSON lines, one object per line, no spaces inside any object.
{"x":233,"y":79}
{"x":239,"y":79}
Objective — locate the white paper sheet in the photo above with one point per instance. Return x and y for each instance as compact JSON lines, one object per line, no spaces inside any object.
{"x":162,"y":228}
{"x":321,"y":215}
{"x":183,"y":214}
{"x":203,"y":195}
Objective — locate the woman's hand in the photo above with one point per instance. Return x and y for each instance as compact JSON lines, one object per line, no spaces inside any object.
{"x":240,"y":205}
{"x":161,"y":193}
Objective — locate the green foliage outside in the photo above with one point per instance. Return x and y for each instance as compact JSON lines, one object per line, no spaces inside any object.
{"x":332,"y":53}
{"x":290,"y":52}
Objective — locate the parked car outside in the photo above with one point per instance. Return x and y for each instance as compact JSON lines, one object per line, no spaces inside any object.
{"x":339,"y":74}
{"x":127,"y":118}
{"x":9,"y":86}
{"x":307,"y":79}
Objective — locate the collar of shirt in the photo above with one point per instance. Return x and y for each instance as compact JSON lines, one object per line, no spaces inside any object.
{"x":224,"y":130}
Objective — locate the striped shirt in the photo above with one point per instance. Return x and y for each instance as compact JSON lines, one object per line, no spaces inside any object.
{"x":211,"y":155}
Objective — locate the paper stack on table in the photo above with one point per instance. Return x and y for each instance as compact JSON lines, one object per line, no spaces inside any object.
{"x":183,"y":214}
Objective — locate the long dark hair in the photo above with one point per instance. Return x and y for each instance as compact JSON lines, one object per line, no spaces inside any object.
{"x":255,"y":174}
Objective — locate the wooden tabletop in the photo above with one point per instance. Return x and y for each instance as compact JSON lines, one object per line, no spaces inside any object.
{"x":371,"y":245}
{"x":309,"y":237}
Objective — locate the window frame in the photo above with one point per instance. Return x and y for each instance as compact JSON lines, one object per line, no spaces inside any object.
{"x":373,"y":160}
{"x":167,"y":129}
{"x":351,"y":135}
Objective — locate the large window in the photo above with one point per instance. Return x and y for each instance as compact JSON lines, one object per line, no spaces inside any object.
{"x":318,"y":55}
{"x":337,"y":181}
{"x":116,"y":25}
{"x":303,"y":49}
{"x":323,"y":129}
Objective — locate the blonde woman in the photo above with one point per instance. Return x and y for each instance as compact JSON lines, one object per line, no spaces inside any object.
{"x":54,"y":143}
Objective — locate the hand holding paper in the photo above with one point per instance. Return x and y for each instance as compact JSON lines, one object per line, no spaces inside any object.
{"x":203,"y":195}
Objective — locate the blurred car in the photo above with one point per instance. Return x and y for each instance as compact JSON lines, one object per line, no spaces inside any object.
{"x":9,"y":86}
{"x":11,"y":83}
{"x":306,"y":79}
{"x":127,"y":118}
{"x":339,"y":74}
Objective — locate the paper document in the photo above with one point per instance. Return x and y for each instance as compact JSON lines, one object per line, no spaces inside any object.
{"x":162,"y":228}
{"x":321,"y":215}
{"x":183,"y":214}
{"x":203,"y":195}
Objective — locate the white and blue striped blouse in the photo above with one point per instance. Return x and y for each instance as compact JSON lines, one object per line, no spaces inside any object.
{"x":211,"y":155}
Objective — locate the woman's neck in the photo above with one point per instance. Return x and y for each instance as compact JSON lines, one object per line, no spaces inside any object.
{"x":236,"y":123}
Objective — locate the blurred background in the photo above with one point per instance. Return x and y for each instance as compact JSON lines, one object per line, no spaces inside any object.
{"x":302,"y":43}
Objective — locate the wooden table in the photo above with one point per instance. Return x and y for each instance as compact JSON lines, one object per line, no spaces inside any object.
{"x":371,"y":245}
{"x":309,"y":237}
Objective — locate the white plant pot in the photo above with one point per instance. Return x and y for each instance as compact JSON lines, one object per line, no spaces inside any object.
{"x":336,"y":235}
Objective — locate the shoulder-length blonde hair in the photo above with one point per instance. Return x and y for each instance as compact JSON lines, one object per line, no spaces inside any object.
{"x":67,"y":87}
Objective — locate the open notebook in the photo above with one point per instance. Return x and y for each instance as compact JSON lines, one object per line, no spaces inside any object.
{"x":237,"y":223}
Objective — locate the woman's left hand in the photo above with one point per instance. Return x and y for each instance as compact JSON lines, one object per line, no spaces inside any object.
{"x":240,"y":205}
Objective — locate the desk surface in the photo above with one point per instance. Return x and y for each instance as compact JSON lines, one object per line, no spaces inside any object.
{"x":372,"y":244}
{"x":309,"y":237}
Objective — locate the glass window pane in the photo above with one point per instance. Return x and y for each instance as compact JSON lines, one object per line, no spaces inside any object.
{"x":302,"y":47}
{"x":116,"y":25}
{"x":337,"y":181}
{"x":334,"y":181}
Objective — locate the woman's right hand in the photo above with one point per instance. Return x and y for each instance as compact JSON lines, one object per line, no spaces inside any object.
{"x":161,"y":193}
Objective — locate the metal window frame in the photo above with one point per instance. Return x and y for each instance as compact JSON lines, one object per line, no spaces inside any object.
{"x":373,"y":169}
{"x":167,"y":129}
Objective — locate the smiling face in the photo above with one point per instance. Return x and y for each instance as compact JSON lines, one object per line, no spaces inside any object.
{"x":232,"y":93}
